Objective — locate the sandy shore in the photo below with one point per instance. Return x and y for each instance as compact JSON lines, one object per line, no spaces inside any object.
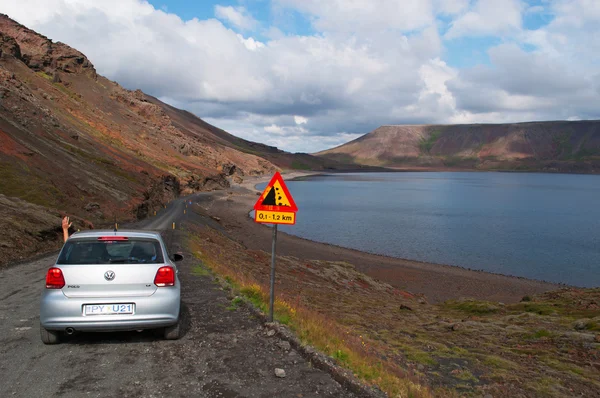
{"x":436,"y":282}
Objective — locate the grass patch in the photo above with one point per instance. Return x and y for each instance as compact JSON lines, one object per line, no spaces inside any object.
{"x":421,"y":357}
{"x":593,"y":326}
{"x":256,"y":296}
{"x":465,"y":375}
{"x":300,"y":166}
{"x":497,"y":362}
{"x":545,"y":386}
{"x":319,"y":331}
{"x":44,"y":75}
{"x":562,"y":366}
{"x":17,"y":180}
{"x":199,"y":270}
{"x":473,"y":307}
{"x":536,"y":308}
{"x":427,"y":143}
{"x":235,"y":303}
{"x":539,"y":334}
{"x":562,"y":144}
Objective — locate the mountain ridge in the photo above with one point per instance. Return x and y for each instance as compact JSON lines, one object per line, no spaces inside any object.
{"x":555,"y":146}
{"x":74,"y":142}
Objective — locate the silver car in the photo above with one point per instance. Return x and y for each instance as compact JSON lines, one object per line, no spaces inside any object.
{"x":111,"y":281}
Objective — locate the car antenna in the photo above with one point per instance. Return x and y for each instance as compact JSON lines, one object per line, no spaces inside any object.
{"x":116,"y":225}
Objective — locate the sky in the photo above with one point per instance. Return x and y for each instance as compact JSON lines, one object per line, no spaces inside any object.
{"x":307,"y":75}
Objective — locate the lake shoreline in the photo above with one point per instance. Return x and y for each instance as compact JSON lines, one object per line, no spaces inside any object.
{"x":437,"y":282}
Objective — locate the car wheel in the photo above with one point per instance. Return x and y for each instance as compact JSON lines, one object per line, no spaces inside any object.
{"x":49,"y":336}
{"x":173,"y":332}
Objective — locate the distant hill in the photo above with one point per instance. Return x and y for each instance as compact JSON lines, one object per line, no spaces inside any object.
{"x":72,"y":141}
{"x":559,"y":146}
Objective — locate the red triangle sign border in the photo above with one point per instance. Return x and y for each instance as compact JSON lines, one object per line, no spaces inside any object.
{"x":259,"y":206}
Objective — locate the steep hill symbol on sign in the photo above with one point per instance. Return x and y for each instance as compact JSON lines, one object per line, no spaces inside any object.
{"x":276,"y":196}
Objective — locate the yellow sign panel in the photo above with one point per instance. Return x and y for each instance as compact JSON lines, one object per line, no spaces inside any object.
{"x":275,"y":217}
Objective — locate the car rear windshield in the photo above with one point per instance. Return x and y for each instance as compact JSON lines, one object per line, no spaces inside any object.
{"x":95,"y":251}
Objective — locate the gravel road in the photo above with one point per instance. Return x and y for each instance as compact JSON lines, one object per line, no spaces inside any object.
{"x":223,"y":353}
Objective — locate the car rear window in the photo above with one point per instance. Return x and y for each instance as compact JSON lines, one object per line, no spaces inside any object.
{"x":94,"y":251}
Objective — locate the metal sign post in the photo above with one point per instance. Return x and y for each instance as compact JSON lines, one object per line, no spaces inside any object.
{"x":275,"y":206}
{"x":272,"y":290}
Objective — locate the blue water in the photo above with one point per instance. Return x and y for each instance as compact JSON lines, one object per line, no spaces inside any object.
{"x":540,"y":226}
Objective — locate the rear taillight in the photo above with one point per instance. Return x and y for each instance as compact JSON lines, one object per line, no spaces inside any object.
{"x":165,"y":276}
{"x":55,"y":279}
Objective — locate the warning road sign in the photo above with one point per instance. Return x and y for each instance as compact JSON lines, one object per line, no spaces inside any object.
{"x":276,"y":205}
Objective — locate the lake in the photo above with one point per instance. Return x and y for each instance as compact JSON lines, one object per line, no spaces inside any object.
{"x":540,"y":226}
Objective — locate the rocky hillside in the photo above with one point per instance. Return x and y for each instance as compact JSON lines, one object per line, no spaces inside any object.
{"x":73,"y":142}
{"x":560,"y":146}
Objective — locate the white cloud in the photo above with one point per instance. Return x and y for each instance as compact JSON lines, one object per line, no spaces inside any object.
{"x":557,"y":79}
{"x":360,"y":15}
{"x":273,"y":129}
{"x":488,"y":18}
{"x":236,"y":16}
{"x":369,"y":63}
{"x":251,"y":43}
{"x":300,"y":120}
{"x":450,"y":7}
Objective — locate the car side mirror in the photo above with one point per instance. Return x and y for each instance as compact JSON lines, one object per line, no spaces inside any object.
{"x":177,"y":257}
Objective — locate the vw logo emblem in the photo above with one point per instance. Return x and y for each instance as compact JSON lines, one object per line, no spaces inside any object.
{"x":109,"y":275}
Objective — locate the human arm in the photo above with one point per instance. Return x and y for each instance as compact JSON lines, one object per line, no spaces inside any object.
{"x":65,"y":227}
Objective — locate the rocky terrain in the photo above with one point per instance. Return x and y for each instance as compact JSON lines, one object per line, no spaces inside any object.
{"x":561,"y":146}
{"x":403,"y":335}
{"x":73,"y":142}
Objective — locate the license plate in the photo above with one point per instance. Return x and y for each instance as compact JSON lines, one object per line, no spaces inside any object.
{"x":108,"y":309}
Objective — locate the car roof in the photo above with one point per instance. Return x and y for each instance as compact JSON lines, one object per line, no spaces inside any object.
{"x":109,"y":232}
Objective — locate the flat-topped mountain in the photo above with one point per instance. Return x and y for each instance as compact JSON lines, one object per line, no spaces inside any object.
{"x":565,"y":146}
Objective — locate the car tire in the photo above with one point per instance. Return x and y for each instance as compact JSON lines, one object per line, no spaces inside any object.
{"x":173,"y":332}
{"x":49,"y":336}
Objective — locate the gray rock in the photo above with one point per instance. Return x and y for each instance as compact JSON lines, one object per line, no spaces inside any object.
{"x":270,"y":333}
{"x":284,"y":345}
{"x":580,"y":324}
{"x":92,"y":206}
{"x":279,"y":372}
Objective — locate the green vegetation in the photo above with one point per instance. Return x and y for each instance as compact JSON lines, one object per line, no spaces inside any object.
{"x":427,"y":143}
{"x":44,"y":75}
{"x":562,"y":144}
{"x":537,"y":308}
{"x":296,"y":165}
{"x":235,"y":303}
{"x":473,"y":306}
{"x":314,"y":328}
{"x":256,"y":296}
{"x":499,"y":363}
{"x":36,"y":190}
{"x":200,"y":270}
{"x":539,"y":334}
{"x":593,"y":326}
{"x":108,"y":164}
{"x":458,"y":348}
{"x":69,"y":93}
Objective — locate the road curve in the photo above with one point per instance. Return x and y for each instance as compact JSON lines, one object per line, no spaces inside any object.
{"x":224,"y":351}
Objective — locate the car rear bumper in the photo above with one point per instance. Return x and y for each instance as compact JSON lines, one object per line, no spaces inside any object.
{"x":58,"y":312}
